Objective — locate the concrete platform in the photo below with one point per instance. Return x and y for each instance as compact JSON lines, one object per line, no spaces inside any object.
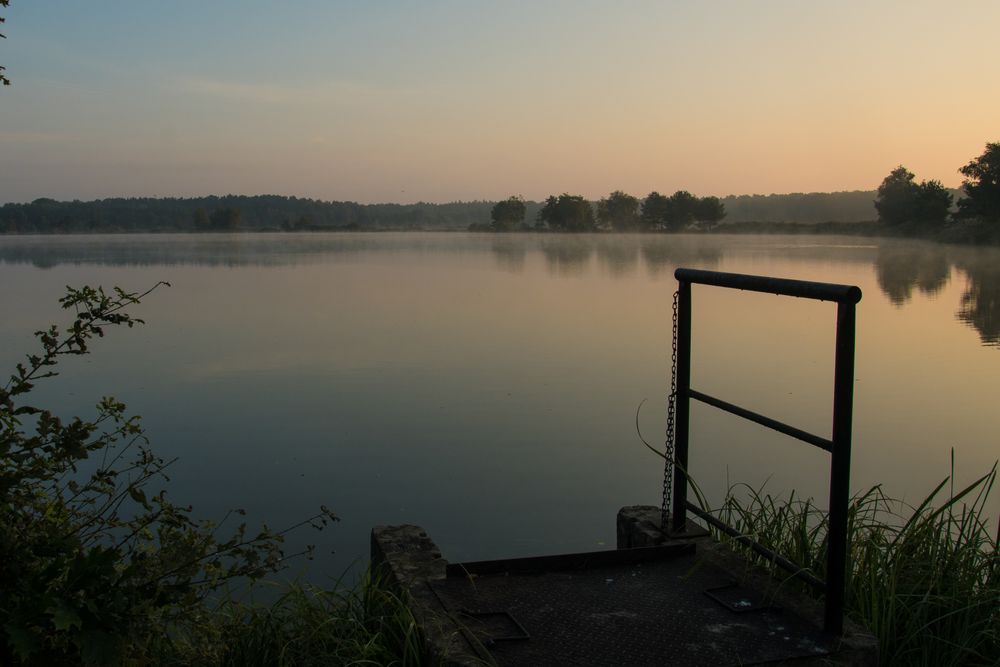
{"x":653,"y":601}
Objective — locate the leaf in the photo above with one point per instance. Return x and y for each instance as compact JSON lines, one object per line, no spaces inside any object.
{"x":138,"y":495}
{"x":99,"y":648}
{"x":24,"y":642}
{"x":64,"y":616}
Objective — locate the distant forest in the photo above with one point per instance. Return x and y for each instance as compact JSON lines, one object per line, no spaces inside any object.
{"x":278,"y":213}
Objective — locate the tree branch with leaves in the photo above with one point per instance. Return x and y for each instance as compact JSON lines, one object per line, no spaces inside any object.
{"x":3,"y":79}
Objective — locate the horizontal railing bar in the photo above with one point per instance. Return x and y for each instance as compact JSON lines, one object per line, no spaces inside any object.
{"x":801,"y":288}
{"x":795,"y":570}
{"x":758,"y":418}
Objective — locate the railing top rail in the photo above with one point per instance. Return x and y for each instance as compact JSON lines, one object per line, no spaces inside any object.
{"x":800,"y":288}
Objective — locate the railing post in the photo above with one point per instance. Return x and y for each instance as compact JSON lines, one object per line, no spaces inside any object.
{"x":683,"y":406}
{"x":840,"y":469}
{"x":846,"y":296}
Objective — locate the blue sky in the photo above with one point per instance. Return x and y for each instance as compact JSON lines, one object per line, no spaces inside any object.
{"x":442,"y":101}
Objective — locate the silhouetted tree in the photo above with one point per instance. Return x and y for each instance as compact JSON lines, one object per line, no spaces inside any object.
{"x":896,"y":197}
{"x":982,"y":186}
{"x":900,"y":199}
{"x":709,"y":211}
{"x":933,"y":203}
{"x":508,"y":214}
{"x":568,"y":213}
{"x":654,"y":210}
{"x":681,"y":210}
{"x":619,"y":211}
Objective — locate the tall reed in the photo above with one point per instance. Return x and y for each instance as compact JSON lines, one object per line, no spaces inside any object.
{"x":367,"y":624}
{"x":925,"y":580}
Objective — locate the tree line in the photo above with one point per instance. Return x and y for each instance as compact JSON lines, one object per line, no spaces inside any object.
{"x":905,"y":204}
{"x":230,"y":213}
{"x":619,"y":212}
{"x":279,"y":213}
{"x":901,"y":205}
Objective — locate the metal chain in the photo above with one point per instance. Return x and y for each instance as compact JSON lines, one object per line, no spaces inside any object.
{"x":668,"y":451}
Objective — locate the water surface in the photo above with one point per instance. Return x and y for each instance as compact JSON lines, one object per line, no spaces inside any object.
{"x":485,"y":387}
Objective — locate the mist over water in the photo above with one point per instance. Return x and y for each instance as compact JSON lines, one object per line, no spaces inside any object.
{"x":485,"y":386}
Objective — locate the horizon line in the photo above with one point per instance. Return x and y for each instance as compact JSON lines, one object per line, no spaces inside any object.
{"x":418,"y":202}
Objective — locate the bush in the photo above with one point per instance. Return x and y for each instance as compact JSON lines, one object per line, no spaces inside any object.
{"x":96,"y":567}
{"x":364,"y":625}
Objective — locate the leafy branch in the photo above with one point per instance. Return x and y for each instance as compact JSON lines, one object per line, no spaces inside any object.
{"x":3,"y":79}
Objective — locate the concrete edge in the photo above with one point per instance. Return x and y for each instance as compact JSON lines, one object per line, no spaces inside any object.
{"x":407,"y":559}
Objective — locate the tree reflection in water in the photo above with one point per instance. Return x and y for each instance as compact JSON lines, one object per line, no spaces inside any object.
{"x":980,"y":307}
{"x":618,"y":254}
{"x":510,"y":252}
{"x":665,"y":253}
{"x":900,"y":265}
{"x":900,"y":268}
{"x":567,"y":255}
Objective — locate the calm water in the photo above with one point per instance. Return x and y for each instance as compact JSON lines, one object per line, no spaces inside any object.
{"x":486,"y":387}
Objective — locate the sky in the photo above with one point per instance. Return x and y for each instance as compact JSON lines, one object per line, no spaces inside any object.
{"x":444,"y":101}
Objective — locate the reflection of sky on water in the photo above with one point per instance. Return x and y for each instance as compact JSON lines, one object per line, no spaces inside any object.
{"x":901,"y":266}
{"x":485,"y":386}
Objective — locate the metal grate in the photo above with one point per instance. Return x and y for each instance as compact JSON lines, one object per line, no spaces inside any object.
{"x":616,"y":614}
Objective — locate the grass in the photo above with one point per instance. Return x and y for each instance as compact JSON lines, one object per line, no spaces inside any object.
{"x":925,"y":580}
{"x":365,"y":625}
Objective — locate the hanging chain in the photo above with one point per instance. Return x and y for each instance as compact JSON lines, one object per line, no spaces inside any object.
{"x":668,"y":452}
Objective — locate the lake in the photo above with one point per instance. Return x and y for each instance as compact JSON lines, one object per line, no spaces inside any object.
{"x":486,"y":386}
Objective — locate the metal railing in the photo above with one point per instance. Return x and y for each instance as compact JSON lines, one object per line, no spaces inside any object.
{"x":839,"y":444}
